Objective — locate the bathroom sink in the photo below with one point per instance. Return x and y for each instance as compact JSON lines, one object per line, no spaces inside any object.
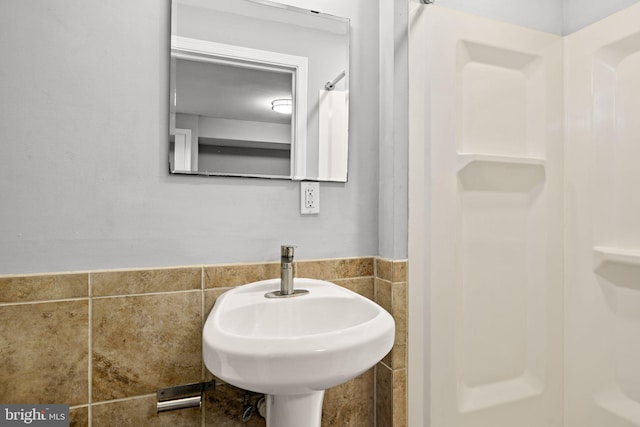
{"x":293,"y":346}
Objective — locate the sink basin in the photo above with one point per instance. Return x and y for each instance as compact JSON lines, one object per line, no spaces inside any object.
{"x":294,"y":346}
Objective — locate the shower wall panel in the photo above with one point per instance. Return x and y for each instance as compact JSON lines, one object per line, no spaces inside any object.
{"x":602,"y":272}
{"x":490,"y":113}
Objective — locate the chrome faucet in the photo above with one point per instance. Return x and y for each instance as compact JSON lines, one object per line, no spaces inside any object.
{"x":286,"y":270}
{"x":286,"y":276}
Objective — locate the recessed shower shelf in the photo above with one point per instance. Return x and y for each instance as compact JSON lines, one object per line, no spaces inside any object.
{"x":619,"y":266}
{"x":485,"y":172}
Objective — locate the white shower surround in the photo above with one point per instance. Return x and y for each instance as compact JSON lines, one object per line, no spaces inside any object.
{"x":486,"y":188}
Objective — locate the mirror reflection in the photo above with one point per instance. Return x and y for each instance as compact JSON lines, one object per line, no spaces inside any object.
{"x":226,"y":111}
{"x":233,"y":62}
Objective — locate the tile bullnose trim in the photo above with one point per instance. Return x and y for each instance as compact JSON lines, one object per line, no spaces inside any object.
{"x":43,"y":287}
{"x":154,"y":280}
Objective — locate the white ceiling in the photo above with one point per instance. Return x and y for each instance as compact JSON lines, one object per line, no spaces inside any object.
{"x":230,"y":92}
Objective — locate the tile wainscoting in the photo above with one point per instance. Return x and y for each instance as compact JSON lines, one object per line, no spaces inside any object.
{"x":105,"y":341}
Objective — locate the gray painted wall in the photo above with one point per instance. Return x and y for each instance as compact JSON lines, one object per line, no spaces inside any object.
{"x":394,"y":128}
{"x":84,"y":181}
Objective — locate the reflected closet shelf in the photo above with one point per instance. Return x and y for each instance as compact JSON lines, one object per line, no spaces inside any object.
{"x":484,"y":172}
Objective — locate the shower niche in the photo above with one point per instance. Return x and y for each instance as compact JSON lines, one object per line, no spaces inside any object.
{"x":502,"y":204}
{"x":495,"y":203}
{"x":498,"y":145}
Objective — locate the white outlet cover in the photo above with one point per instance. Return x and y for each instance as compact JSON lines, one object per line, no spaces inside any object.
{"x":309,"y":198}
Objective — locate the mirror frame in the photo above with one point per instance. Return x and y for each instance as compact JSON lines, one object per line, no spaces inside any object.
{"x":207,"y":51}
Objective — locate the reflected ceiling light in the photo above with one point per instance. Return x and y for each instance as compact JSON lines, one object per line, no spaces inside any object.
{"x":281,"y":106}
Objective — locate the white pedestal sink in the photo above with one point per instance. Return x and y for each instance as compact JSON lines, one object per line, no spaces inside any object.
{"x":292,"y":349}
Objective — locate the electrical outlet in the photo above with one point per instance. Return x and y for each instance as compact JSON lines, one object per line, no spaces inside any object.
{"x":309,"y":198}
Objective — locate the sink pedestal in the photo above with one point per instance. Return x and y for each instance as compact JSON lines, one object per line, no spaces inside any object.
{"x":295,"y":410}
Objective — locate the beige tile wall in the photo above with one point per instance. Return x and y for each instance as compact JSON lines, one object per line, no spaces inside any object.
{"x":105,"y":341}
{"x":391,"y":372}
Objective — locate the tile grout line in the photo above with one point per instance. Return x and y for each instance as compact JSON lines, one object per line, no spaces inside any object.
{"x":202,"y":369}
{"x":90,"y":354}
{"x":125,"y":399}
{"x":375,"y":367}
{"x":141,"y":294}
{"x":44,"y":301}
{"x":91,"y":297}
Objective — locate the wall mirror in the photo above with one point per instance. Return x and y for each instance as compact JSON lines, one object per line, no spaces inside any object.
{"x":258,"y":89}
